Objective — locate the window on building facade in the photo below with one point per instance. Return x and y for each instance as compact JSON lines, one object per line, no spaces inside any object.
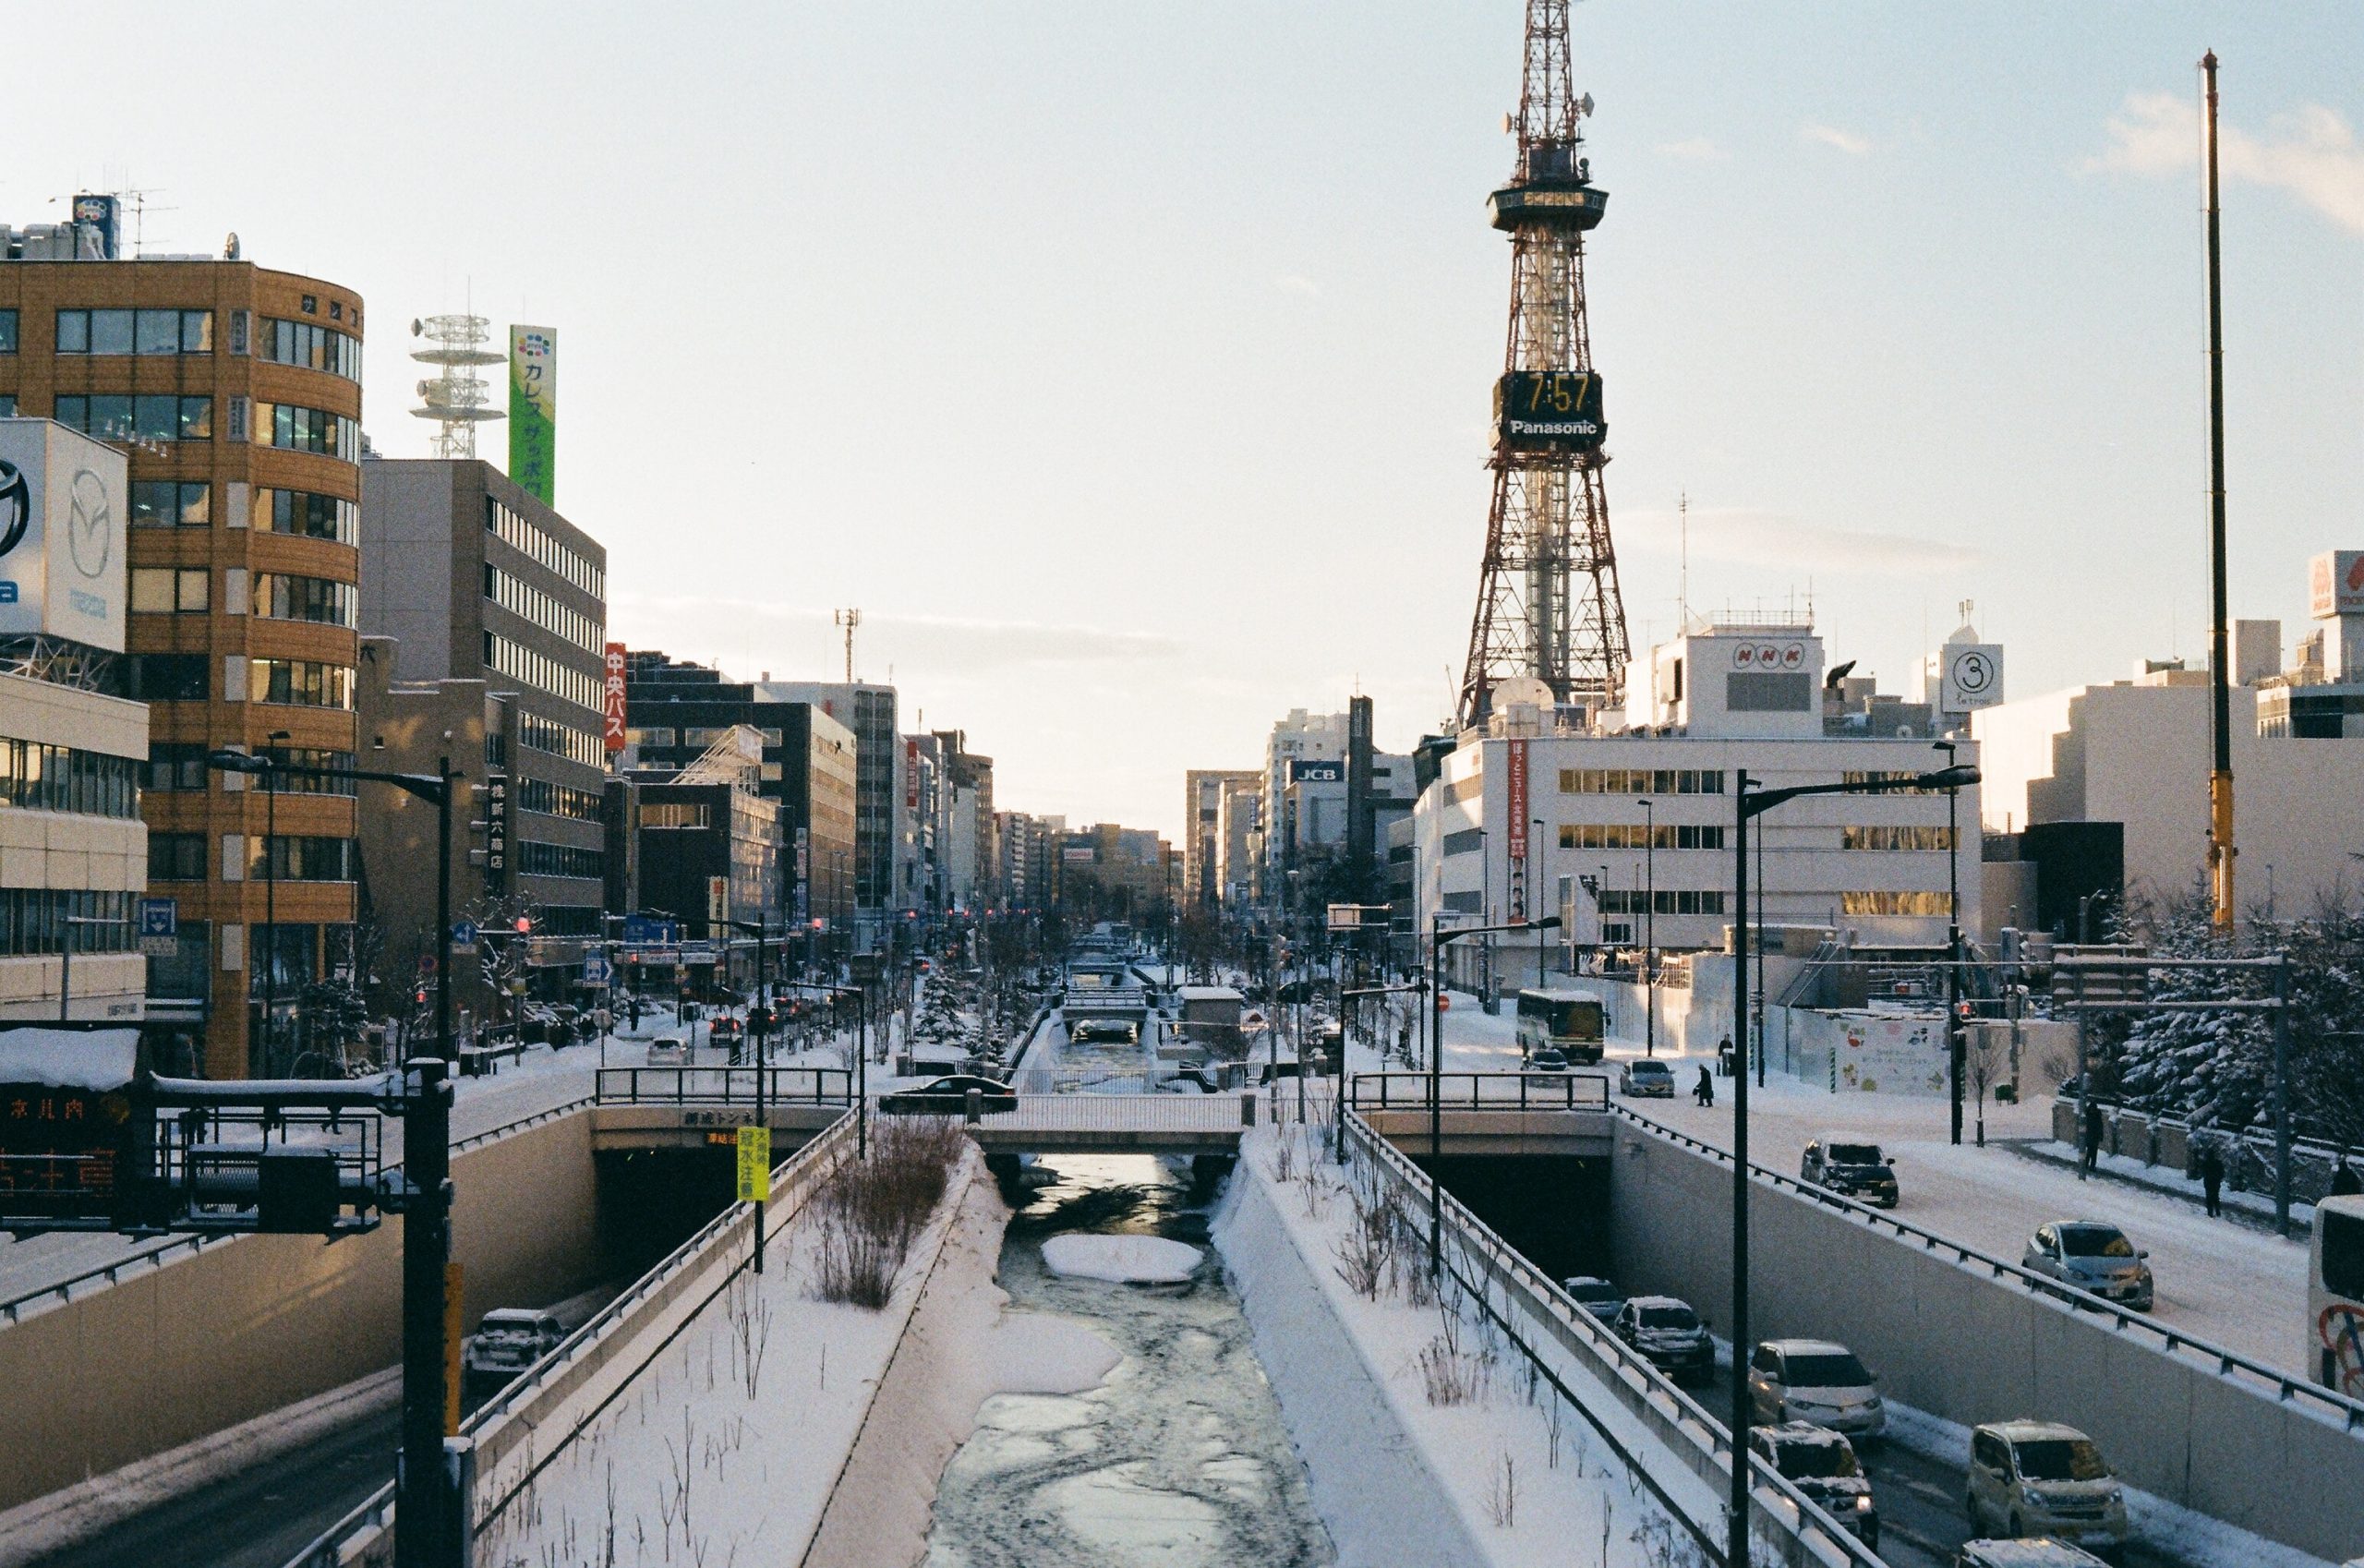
{"x":308,"y":429}
{"x":315,"y":348}
{"x":166,"y":678}
{"x":170,"y":589}
{"x":1637,"y":836}
{"x":173,"y":764}
{"x":1894,"y":903}
{"x":310,"y":757}
{"x":300,"y":682}
{"x":1669,"y":901}
{"x":520,"y":598}
{"x":7,"y":332}
{"x":648,"y":735}
{"x":554,"y":739}
{"x":538,"y":859}
{"x":308,"y":515}
{"x":34,"y":920}
{"x":283,"y":597}
{"x":554,"y":799}
{"x":135,"y":332}
{"x":302,"y":859}
{"x":514,"y":530}
{"x":176,"y":857}
{"x":37,"y":776}
{"x":537,"y":670}
{"x":1886,"y":836}
{"x":677,"y":813}
{"x":1641,"y":781}
{"x":149,"y":417}
{"x":162,"y":503}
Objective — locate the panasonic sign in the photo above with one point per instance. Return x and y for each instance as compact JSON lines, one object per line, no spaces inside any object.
{"x":65,"y":501}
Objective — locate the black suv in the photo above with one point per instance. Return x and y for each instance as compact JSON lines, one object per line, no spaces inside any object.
{"x":1852,"y":1170}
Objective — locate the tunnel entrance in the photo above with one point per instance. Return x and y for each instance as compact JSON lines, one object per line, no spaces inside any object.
{"x":651,"y":1200}
{"x":1554,"y":1209}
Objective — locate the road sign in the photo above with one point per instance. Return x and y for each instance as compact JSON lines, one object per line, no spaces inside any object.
{"x":594,"y":969}
{"x":647,"y":931}
{"x":464,"y":936}
{"x":159,"y":927}
{"x":754,"y":1163}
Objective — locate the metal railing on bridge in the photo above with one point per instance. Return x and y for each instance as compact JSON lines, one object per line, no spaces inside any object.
{"x":724,"y":1085}
{"x":1099,"y":1113}
{"x":1480,"y":1091}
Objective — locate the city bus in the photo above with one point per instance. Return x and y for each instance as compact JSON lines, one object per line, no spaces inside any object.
{"x":2335,"y":1297}
{"x":1571,"y":1022}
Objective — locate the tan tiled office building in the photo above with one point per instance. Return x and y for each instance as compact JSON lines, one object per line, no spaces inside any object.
{"x":237,"y":393}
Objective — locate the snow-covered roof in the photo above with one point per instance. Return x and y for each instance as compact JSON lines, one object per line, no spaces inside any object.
{"x":1209,"y":994}
{"x":68,"y":1058}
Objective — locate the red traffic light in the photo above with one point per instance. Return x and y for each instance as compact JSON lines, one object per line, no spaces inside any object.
{"x":524,"y":924}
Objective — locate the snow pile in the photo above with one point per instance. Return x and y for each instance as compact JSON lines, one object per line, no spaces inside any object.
{"x":1122,"y":1260}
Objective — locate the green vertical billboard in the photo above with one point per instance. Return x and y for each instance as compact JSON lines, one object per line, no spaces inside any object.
{"x":533,"y":410}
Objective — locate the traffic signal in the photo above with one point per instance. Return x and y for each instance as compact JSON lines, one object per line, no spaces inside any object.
{"x":524,"y":924}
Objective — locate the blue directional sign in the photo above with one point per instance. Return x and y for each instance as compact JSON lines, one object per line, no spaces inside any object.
{"x":159,"y":917}
{"x":647,"y":931}
{"x":594,"y":969}
{"x":464,"y":936}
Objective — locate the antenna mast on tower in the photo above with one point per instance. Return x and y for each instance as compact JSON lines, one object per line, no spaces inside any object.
{"x":456,"y":400}
{"x":848,"y":619}
{"x":1549,"y":606}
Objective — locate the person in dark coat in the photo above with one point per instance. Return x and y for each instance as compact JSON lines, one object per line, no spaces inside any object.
{"x":2092,"y":1133}
{"x":1704,"y":1090}
{"x":2345,"y":1182}
{"x":1724,"y":1056}
{"x":2212,"y":1176}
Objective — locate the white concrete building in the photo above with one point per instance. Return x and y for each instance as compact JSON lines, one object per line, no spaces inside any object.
{"x":1299,"y":739}
{"x":1520,"y":816}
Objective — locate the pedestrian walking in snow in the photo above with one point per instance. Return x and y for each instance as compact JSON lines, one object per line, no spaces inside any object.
{"x":2093,"y":1134}
{"x":2212,"y":1176}
{"x":1705,"y":1090}
{"x":2345,"y":1182}
{"x":1723,"y":1057}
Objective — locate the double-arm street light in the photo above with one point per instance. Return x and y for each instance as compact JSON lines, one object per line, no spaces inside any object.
{"x":1650,"y":927}
{"x":1748,"y":804}
{"x":425,"y":1518}
{"x":1954,"y":1042}
{"x":1438,"y":937}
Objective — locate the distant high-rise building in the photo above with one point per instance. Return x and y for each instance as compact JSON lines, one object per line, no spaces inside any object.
{"x":868,"y":709}
{"x":1202,"y":791}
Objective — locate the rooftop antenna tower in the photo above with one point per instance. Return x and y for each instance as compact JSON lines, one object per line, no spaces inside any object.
{"x":455,"y":399}
{"x":1682,"y":582}
{"x":848,"y":618}
{"x":1549,"y":606}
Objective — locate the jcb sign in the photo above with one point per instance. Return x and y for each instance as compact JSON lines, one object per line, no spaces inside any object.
{"x":1548,"y":411}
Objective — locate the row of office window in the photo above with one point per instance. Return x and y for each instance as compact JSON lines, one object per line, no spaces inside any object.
{"x":538,"y":859}
{"x":1894,"y":903}
{"x":283,"y":596}
{"x":1896,"y":838}
{"x":303,"y":859}
{"x":554,"y":739}
{"x":1637,"y":836}
{"x":180,"y":765}
{"x":1641,"y":781}
{"x":135,"y":332}
{"x":40,"y":776}
{"x":302,"y":682}
{"x":554,"y":799}
{"x":307,"y":515}
{"x":158,"y":417}
{"x":299,"y":428}
{"x":316,"y":348}
{"x":1671,"y":901}
{"x":519,"y":662}
{"x":1866,"y":775}
{"x":521,"y":598}
{"x":537,"y":545}
{"x":166,"y":678}
{"x":35,"y":920}
{"x":677,"y":813}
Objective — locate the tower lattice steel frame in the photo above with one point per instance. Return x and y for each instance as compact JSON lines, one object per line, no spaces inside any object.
{"x":1548,"y":602}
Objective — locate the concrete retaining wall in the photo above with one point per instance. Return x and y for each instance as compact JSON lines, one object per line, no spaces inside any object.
{"x":1952,"y":1340}
{"x":219,"y":1336}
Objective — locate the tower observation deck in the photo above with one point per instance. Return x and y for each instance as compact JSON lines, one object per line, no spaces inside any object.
{"x":1549,"y":606}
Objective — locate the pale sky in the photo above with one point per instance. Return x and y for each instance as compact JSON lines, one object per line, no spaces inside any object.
{"x":1130,"y":364}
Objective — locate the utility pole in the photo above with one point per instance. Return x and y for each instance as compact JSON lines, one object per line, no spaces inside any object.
{"x":2220,"y":776}
{"x":1954,"y":1042}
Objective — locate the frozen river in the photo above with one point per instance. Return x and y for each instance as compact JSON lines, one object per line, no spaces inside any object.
{"x":1179,"y":1459}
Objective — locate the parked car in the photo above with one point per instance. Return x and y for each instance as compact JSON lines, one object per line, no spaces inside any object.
{"x":2040,"y":1553}
{"x":2091,"y":1255}
{"x":668,"y":1051}
{"x":2039,"y":1477}
{"x":1598,"y":1297}
{"x":1648,"y":1078}
{"x":1851,"y":1169}
{"x":509,"y":1340}
{"x":1821,"y":1464}
{"x":948,"y":1096}
{"x":1817,"y":1380}
{"x":1669,"y":1334}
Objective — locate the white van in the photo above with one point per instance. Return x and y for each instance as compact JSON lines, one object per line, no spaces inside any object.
{"x":2042,"y":1479}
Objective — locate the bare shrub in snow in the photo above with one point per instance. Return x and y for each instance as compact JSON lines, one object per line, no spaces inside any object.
{"x":869,"y":1210}
{"x":1284,"y":1159}
{"x":1450,"y":1373}
{"x":1367,"y":1258}
{"x":1501,"y":1490}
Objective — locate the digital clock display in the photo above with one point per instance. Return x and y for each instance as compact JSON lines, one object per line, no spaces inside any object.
{"x":1548,"y":411}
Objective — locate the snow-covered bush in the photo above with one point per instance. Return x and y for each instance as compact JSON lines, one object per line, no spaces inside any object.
{"x":869,"y":1210}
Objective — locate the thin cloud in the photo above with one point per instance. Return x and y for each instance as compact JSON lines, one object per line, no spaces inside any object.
{"x":2312,"y":154}
{"x":1698,"y":148}
{"x":1831,"y":136}
{"x":1746,"y":536}
{"x":915,"y":641}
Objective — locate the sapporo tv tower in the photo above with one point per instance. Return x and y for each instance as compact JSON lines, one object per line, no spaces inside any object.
{"x":1548,"y":608}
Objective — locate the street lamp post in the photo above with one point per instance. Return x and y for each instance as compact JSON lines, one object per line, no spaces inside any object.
{"x":1535,"y":886}
{"x":1955,"y":1044}
{"x":1748,"y":803}
{"x":1650,"y":927}
{"x":426,"y":1528}
{"x":758,"y":1019}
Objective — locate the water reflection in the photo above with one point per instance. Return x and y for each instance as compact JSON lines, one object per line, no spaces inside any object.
{"x":1180,"y":1459}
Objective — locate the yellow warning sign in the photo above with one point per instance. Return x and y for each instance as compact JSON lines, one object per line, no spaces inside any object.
{"x":754,"y":1163}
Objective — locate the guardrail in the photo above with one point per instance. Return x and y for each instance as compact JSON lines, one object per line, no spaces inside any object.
{"x":2230,"y":1365}
{"x":1107,"y":1112}
{"x":1480,"y":1091}
{"x":1804,"y":1533}
{"x":512,"y":1420}
{"x":723,"y":1085}
{"x":15,"y":1308}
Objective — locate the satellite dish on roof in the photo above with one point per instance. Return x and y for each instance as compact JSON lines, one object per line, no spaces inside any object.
{"x":1522,"y":689}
